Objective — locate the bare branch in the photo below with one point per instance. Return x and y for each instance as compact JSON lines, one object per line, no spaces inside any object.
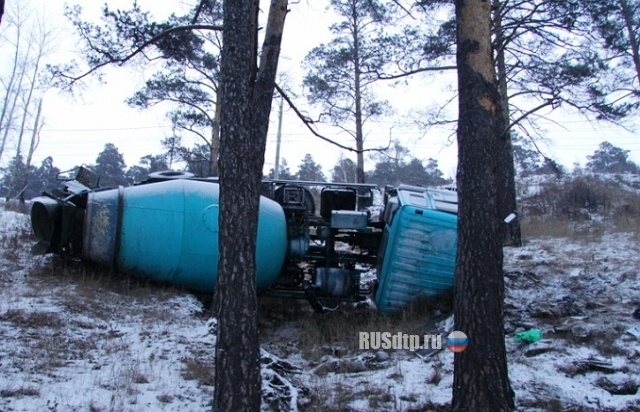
{"x":197,"y":133}
{"x":404,"y":9}
{"x":308,"y":122}
{"x":411,"y":72}
{"x":549,"y":102}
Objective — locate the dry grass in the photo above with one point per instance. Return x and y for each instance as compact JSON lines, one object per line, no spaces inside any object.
{"x":94,"y":290}
{"x":165,"y":398}
{"x":32,"y":320}
{"x":92,"y":295}
{"x":338,"y":397}
{"x":571,"y":199}
{"x":13,"y":245}
{"x":437,"y":375}
{"x":582,"y":209}
{"x":19,"y":391}
{"x":430,"y":407}
{"x":17,"y":206}
{"x":199,"y":367}
{"x":626,"y":215}
{"x":378,"y":398}
{"x":586,"y":232}
{"x":336,"y":333}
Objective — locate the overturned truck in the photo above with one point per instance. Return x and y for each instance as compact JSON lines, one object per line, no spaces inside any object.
{"x":166,"y":229}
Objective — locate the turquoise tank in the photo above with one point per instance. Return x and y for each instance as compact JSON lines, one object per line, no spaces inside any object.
{"x":168,"y":232}
{"x":418,"y":248}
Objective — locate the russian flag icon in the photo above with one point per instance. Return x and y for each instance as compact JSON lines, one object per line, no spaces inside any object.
{"x":457,"y":341}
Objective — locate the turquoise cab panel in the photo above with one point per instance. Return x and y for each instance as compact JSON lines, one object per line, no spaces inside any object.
{"x":418,"y":252}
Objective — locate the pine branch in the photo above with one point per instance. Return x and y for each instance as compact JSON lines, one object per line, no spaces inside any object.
{"x":141,"y":48}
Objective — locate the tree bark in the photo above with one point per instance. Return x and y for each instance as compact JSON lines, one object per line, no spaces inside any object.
{"x":246,"y":96}
{"x":480,"y":372}
{"x":33,"y":145}
{"x":27,"y":102}
{"x":12,"y":92}
{"x":358,"y":100}
{"x":507,"y":202}
{"x":266,"y":80}
{"x":237,"y":371}
{"x":214,"y":154}
{"x":631,"y":32}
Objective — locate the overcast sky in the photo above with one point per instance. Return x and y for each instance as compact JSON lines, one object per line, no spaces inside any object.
{"x":77,"y":128}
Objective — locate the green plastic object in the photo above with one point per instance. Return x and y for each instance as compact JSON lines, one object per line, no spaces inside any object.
{"x":528,"y":336}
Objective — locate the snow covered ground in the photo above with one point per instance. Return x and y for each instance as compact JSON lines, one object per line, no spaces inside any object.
{"x":70,"y":341}
{"x":75,"y":338}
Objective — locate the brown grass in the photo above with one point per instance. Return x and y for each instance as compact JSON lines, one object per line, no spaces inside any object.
{"x":437,"y":375}
{"x":566,"y":210}
{"x":378,"y":398}
{"x":199,"y":367}
{"x":19,"y":392}
{"x":13,"y":245}
{"x":165,"y":398}
{"x":33,"y":320}
{"x":628,"y":224}
{"x":430,"y":407}
{"x":324,"y":398}
{"x":44,"y":340}
{"x":16,"y":206}
{"x":336,"y":333}
{"x":95,"y":290}
{"x":587,"y":232}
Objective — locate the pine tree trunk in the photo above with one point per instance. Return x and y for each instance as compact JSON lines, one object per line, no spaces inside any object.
{"x":247,"y":97}
{"x":214,"y":154}
{"x":237,"y":370}
{"x":35,"y":136}
{"x":627,"y":13}
{"x":481,"y":380}
{"x":35,"y":140}
{"x":358,"y":111}
{"x":507,"y":203}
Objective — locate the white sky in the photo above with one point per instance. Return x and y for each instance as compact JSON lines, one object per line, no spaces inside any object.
{"x":77,"y":128}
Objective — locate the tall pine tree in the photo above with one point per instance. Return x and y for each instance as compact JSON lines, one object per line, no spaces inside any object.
{"x":110,"y":167}
{"x":342,"y":72}
{"x":480,"y":381}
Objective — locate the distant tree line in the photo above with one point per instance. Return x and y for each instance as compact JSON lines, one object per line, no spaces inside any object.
{"x":17,"y":180}
{"x":392,"y":167}
{"x":606,"y":159}
{"x":26,"y":40}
